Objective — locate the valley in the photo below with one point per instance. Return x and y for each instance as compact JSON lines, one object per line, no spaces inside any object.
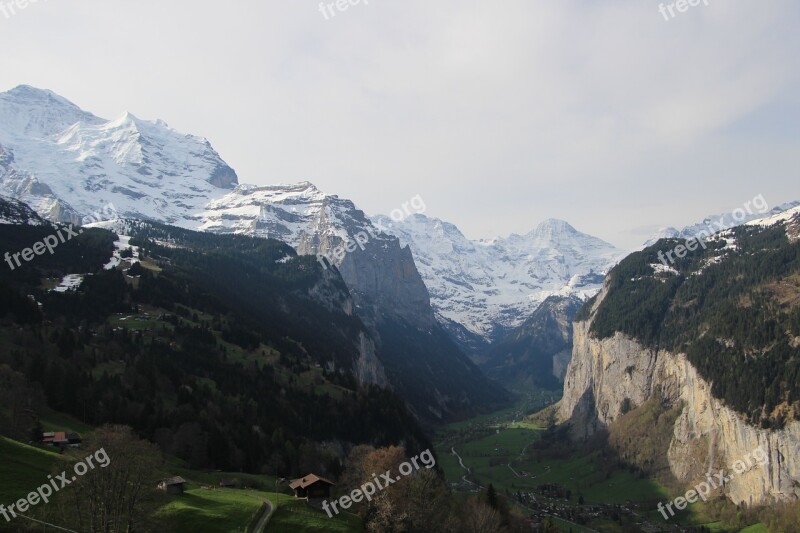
{"x":247,"y":353}
{"x":546,"y":478}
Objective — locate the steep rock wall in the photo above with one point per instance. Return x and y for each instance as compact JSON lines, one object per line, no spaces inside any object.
{"x":605,"y":375}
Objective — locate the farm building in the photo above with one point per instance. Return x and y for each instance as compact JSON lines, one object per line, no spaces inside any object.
{"x":311,"y":486}
{"x":173,"y":485}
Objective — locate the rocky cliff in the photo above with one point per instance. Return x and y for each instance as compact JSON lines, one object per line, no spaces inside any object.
{"x":608,"y":376}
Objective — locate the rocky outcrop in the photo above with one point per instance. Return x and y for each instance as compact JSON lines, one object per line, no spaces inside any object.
{"x":369,"y":369}
{"x":606,"y":377}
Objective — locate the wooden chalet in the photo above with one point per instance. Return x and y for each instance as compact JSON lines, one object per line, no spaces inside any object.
{"x":311,"y":487}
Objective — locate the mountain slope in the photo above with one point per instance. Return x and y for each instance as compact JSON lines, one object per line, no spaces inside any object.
{"x":422,"y":362}
{"x":719,"y":334}
{"x":66,"y":163}
{"x":12,"y":211}
{"x":491,"y":287}
{"x":723,"y":221}
{"x":158,"y":340}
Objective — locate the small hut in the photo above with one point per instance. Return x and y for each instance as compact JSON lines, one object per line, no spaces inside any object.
{"x":173,"y":485}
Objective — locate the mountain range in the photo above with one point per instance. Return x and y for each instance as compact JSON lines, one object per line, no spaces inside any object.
{"x":66,"y":162}
{"x":483,"y":289}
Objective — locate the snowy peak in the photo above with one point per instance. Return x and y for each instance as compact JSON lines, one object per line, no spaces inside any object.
{"x":721,"y":222}
{"x":552,"y":229}
{"x":26,"y":111}
{"x":777,"y":218}
{"x":291,"y":213}
{"x":490,"y":287}
{"x":66,"y":162}
{"x":380,"y":272}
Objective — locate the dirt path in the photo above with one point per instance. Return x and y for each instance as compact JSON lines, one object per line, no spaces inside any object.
{"x":265,"y":516}
{"x":515,"y":472}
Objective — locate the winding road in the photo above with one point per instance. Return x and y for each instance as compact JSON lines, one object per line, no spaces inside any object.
{"x":265,"y":516}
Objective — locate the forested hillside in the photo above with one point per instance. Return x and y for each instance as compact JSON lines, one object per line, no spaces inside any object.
{"x":733,"y":308}
{"x":228,"y":352}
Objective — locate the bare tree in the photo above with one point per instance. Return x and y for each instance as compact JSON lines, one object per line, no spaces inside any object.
{"x":114,"y":498}
{"x":478,"y":517}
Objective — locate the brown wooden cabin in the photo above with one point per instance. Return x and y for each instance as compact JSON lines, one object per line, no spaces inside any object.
{"x":173,"y":485}
{"x":311,"y":486}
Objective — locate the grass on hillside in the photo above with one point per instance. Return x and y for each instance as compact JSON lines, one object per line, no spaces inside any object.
{"x":23,"y":469}
{"x":578,"y":473}
{"x":55,"y":421}
{"x":294,"y":516}
{"x":755,"y":528}
{"x":233,"y":510}
{"x":213,"y":511}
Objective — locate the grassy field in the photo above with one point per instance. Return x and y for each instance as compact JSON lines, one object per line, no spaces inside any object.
{"x":498,"y":459}
{"x":757,"y":528}
{"x":53,"y":421}
{"x":23,"y":469}
{"x":215,"y":511}
{"x":212,"y":509}
{"x":295,"y":516}
{"x":232,"y":510}
{"x":495,"y":449}
{"x":224,"y":510}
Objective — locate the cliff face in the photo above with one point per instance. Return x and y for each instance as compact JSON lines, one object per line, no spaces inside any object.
{"x":605,"y":375}
{"x":404,"y":347}
{"x":539,"y":350}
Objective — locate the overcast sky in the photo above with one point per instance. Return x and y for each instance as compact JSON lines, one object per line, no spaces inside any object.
{"x":500,"y":114}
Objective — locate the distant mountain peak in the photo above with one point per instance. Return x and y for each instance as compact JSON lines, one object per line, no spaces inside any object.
{"x":491,"y":286}
{"x":28,"y":112}
{"x":715,"y":223}
{"x":66,"y":163}
{"x":30,"y":93}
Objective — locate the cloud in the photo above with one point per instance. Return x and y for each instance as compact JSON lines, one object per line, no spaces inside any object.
{"x":500,"y":115}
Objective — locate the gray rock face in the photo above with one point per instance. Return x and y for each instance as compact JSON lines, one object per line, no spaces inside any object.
{"x":421,"y":363}
{"x":537,"y":352}
{"x":384,"y":281}
{"x":603,"y":374}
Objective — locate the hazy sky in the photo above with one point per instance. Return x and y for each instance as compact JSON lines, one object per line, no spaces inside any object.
{"x":500,"y":114}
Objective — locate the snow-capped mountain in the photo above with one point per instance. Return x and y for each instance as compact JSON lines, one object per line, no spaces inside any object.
{"x":379,"y":271}
{"x":715,"y":223}
{"x":290,"y":213}
{"x":490,"y":287}
{"x":66,"y":163}
{"x":14,"y":212}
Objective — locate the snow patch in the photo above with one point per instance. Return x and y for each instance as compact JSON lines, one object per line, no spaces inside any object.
{"x":661,"y":268}
{"x":71,"y":282}
{"x":122,"y":243}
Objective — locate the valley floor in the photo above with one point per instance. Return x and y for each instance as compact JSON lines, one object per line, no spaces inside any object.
{"x":574,"y":490}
